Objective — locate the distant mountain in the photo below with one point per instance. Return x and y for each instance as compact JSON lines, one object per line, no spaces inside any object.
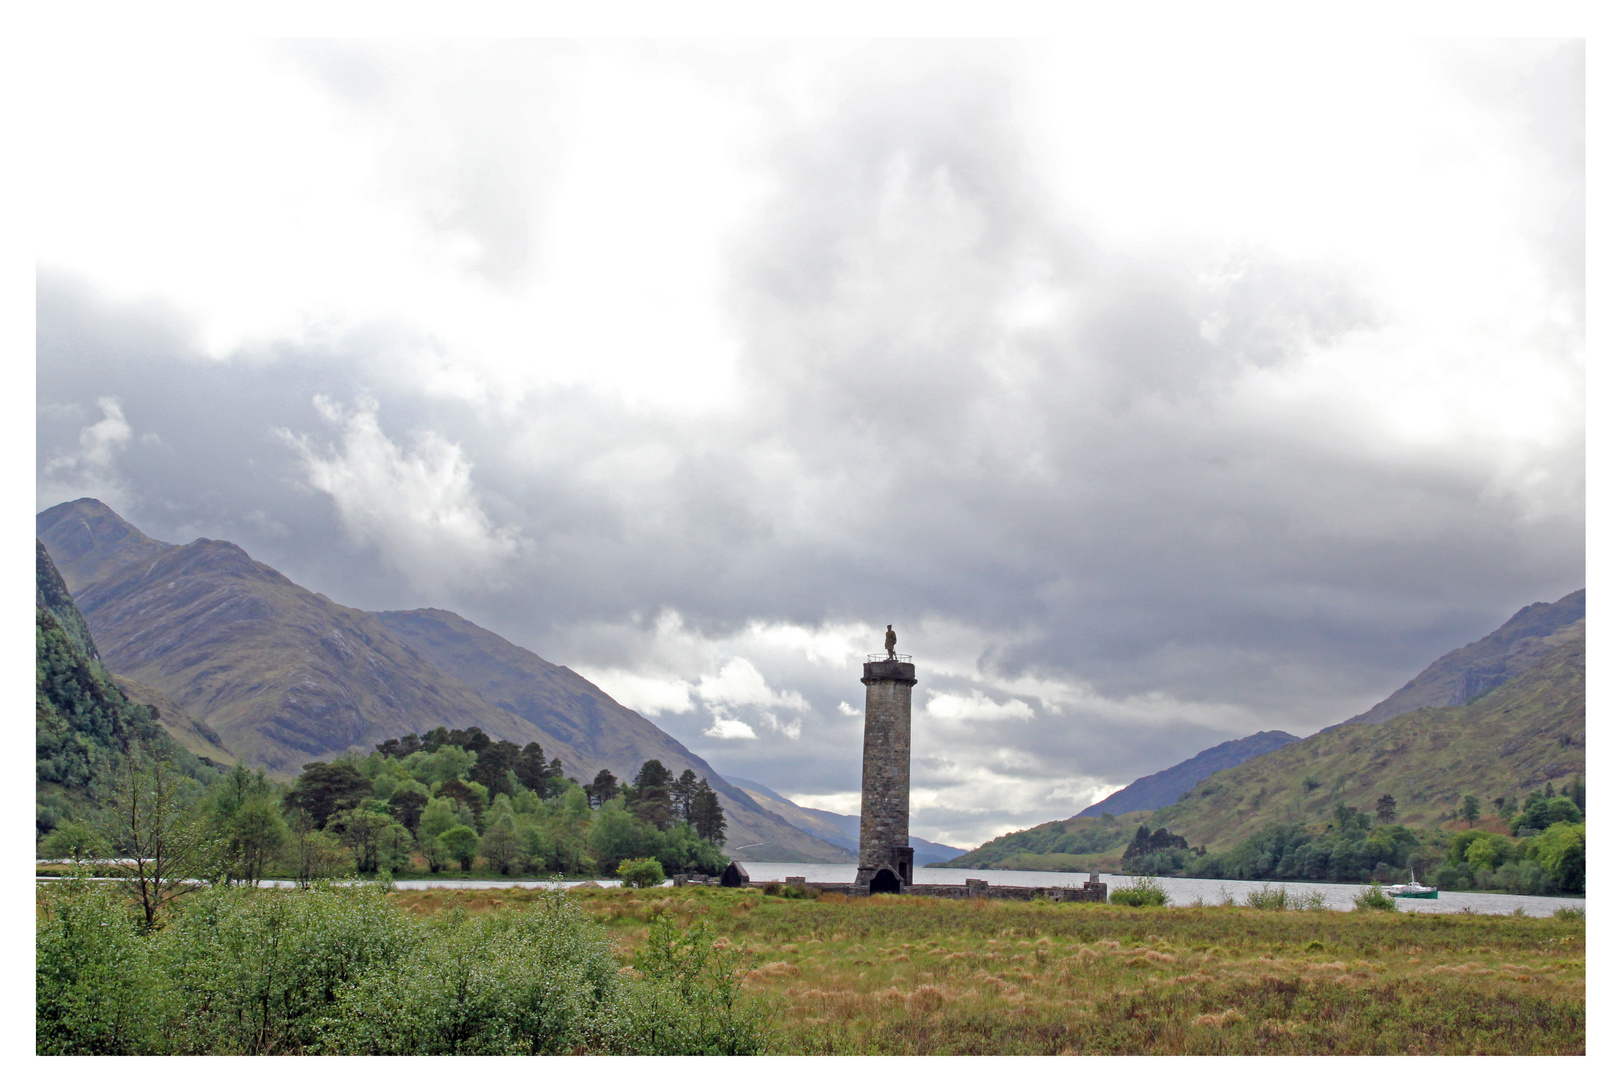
{"x":840,"y":830}
{"x":1486,"y":735}
{"x":283,"y":676}
{"x":1168,"y":785}
{"x":1527,"y":732}
{"x":1464,"y":674}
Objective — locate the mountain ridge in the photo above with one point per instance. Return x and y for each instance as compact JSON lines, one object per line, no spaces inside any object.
{"x":283,"y":675}
{"x":1167,"y":785}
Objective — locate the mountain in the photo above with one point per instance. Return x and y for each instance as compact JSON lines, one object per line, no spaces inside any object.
{"x":282,"y":676}
{"x":1464,"y":674}
{"x":841,"y":830}
{"x":1168,"y":785}
{"x":1524,"y":733}
{"x":584,"y":725}
{"x":82,"y":720}
{"x":1496,"y":741}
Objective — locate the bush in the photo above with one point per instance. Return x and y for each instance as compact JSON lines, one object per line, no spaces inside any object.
{"x":1268,"y":898}
{"x":540,"y":980}
{"x":641,"y":873}
{"x":1141,"y":892}
{"x":1570,"y":913}
{"x":689,"y":999}
{"x":1374,"y":898}
{"x":95,"y":991}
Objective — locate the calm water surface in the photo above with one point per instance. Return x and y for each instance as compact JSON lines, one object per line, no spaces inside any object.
{"x":1183,"y":891}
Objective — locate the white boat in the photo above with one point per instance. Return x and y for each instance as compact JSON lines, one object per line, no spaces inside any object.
{"x":1412,"y":890}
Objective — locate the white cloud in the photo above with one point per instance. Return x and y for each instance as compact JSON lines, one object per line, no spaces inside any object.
{"x":849,"y":710}
{"x":728,"y":727}
{"x":648,"y":695}
{"x":93,"y":469}
{"x":417,"y":507}
{"x":976,"y":706}
{"x":740,"y":683}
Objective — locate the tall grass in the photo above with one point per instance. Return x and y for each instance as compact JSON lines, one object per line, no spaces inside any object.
{"x":1141,"y":892}
{"x":918,"y":975}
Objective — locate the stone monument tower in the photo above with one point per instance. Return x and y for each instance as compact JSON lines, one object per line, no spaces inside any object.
{"x":886,"y":855}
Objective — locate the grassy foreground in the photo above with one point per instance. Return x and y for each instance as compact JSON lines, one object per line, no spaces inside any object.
{"x":914,"y":975}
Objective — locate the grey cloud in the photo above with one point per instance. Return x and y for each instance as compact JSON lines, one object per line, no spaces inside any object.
{"x":1082,"y":489}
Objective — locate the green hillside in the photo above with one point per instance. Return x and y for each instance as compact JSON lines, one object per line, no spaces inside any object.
{"x":1516,"y":738}
{"x":83,"y":721}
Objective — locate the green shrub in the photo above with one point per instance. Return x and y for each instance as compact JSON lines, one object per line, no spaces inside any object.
{"x":1141,"y":892}
{"x":641,"y":873}
{"x":95,"y":991}
{"x":539,"y":980}
{"x":1374,"y":898}
{"x":688,"y":1000}
{"x":1570,"y":913}
{"x":1268,"y":898}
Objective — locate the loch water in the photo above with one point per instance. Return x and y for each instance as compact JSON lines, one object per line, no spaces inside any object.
{"x":1184,"y":892}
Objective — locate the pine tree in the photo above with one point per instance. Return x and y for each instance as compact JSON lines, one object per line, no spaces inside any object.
{"x":707,"y":817}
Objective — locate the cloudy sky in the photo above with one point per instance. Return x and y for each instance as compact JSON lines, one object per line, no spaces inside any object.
{"x":1159,"y":392}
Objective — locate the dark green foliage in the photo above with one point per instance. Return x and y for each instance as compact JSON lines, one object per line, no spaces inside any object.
{"x":1541,"y":810}
{"x":494,"y":761}
{"x":1470,"y":809}
{"x":640,"y":873}
{"x":708,"y":820}
{"x":462,"y":844}
{"x":325,"y":788}
{"x":1386,"y":809}
{"x":603,"y":788}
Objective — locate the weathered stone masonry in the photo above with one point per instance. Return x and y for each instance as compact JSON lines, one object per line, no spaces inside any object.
{"x":886,"y":855}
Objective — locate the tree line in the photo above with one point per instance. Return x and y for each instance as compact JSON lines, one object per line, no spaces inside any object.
{"x":446,"y":800}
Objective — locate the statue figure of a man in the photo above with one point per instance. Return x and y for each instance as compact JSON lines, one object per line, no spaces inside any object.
{"x":888,"y":641}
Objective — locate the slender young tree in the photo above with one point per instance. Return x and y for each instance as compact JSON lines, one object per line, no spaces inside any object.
{"x":152,"y":822}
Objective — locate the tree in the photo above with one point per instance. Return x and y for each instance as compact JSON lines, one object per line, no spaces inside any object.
{"x":324,"y":788}
{"x":707,"y":817}
{"x":603,"y":788}
{"x":151,"y":820}
{"x":681,"y":794}
{"x":407,"y":803}
{"x":652,"y":802}
{"x":368,"y":834}
{"x":493,"y":763}
{"x":461,"y":843}
{"x":1386,"y":808}
{"x":501,"y":845}
{"x":531,"y":769}
{"x":72,"y":840}
{"x":641,"y":873}
{"x":243,"y":814}
{"x":1470,"y":809}
{"x":316,"y":854}
{"x":438,"y":816}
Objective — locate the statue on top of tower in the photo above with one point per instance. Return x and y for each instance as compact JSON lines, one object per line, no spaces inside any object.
{"x":888,"y":641}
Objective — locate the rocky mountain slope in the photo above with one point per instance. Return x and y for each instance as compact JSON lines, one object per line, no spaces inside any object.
{"x":1517,"y":737}
{"x":1167,"y":785}
{"x":841,"y":830}
{"x":1502,"y":740}
{"x":282,"y":676}
{"x":1464,"y":674}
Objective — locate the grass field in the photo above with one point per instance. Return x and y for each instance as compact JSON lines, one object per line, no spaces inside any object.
{"x":914,"y":975}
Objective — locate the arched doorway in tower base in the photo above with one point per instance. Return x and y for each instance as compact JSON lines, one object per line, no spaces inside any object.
{"x":884,"y":881}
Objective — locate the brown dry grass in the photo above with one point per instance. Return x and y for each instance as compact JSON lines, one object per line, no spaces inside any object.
{"x":915,"y":975}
